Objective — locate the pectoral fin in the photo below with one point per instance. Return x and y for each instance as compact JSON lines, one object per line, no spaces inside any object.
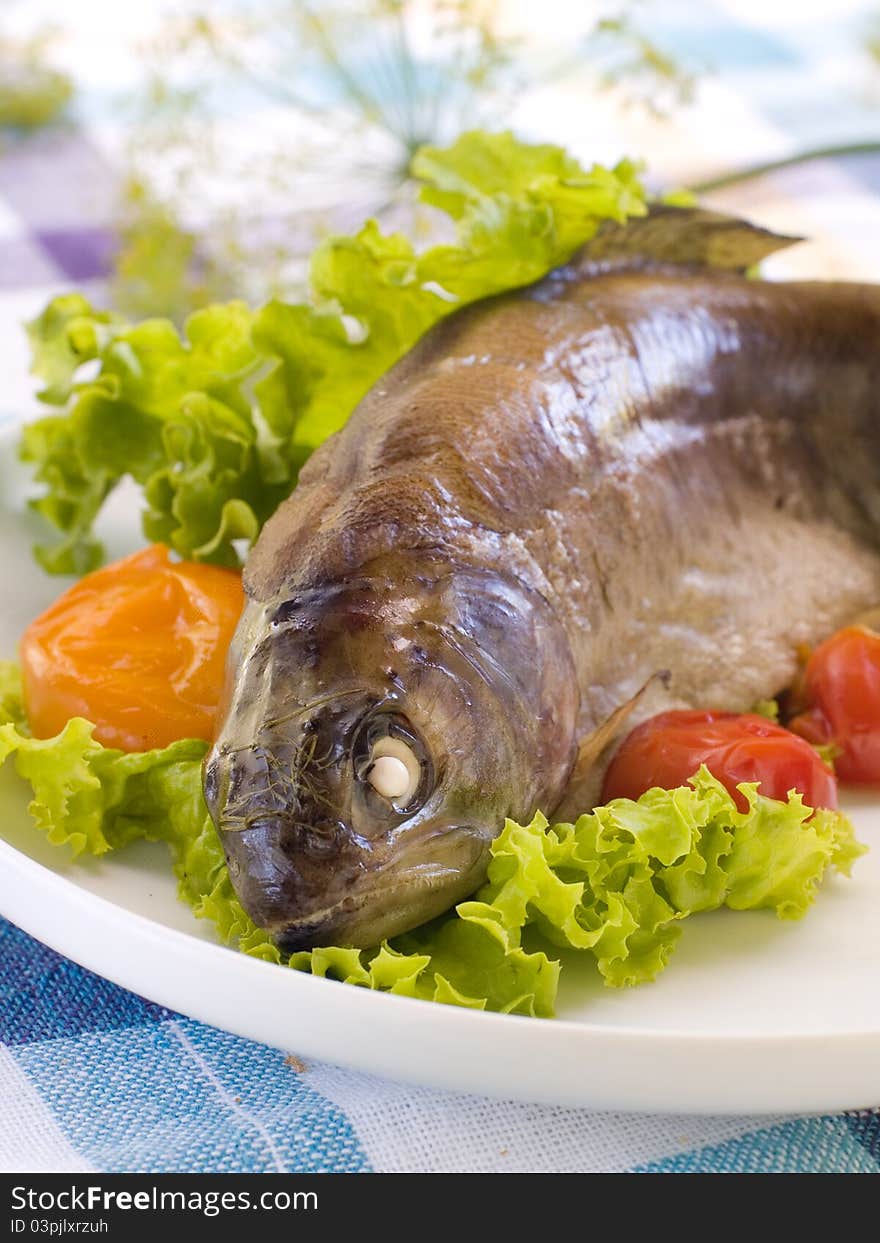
{"x":583,"y":786}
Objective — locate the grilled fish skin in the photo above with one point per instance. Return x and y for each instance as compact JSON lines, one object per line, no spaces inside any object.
{"x":636,"y":465}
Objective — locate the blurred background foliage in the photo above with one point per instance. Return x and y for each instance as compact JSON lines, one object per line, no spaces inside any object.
{"x":212,"y":206}
{"x":33,"y":92}
{"x":349,"y":90}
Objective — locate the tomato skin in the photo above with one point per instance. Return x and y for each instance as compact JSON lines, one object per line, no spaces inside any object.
{"x":138,"y":648}
{"x":668,"y":749}
{"x":841,"y":688}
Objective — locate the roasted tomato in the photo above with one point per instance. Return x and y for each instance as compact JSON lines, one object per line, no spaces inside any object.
{"x":668,"y":749}
{"x":841,"y":692}
{"x":137,"y":647}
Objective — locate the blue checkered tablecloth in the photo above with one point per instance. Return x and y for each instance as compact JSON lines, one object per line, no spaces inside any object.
{"x":94,"y":1078}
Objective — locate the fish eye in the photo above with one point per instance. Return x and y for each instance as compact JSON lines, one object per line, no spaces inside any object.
{"x":391,"y":763}
{"x":394,"y":771}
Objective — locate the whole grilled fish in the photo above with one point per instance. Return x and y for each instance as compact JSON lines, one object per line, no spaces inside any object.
{"x":644,"y":463}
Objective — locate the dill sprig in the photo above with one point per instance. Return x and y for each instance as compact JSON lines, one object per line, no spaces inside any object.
{"x":342,"y":95}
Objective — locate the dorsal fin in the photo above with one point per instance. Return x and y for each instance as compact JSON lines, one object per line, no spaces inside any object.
{"x":690,"y":236}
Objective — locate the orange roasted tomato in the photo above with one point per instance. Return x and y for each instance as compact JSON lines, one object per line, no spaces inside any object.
{"x":137,"y":647}
{"x":735,"y":747}
{"x":841,"y":692}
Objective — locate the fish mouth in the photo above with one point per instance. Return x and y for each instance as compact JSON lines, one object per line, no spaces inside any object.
{"x":339,"y":924}
{"x":384,"y":899}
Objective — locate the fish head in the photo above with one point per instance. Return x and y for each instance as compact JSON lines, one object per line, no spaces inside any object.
{"x":373,"y":740}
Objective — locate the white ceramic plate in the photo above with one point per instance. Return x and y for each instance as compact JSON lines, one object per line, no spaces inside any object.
{"x":752,"y":1014}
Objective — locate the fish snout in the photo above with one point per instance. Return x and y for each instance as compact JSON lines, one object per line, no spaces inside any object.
{"x":288,"y":850}
{"x":279,"y":867}
{"x":241,"y":784}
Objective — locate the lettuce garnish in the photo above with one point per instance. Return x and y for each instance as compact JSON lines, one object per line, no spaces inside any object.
{"x":214,"y":422}
{"x":615,"y":885}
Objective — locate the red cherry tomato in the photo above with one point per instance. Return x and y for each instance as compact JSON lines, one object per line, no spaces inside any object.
{"x":668,"y":749}
{"x":841,"y":688}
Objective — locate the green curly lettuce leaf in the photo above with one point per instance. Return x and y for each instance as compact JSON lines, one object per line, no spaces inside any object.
{"x":619,"y":881}
{"x":615,"y":885}
{"x":215,"y":422}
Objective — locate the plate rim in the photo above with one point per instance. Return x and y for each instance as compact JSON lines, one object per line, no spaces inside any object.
{"x":631,"y":1055}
